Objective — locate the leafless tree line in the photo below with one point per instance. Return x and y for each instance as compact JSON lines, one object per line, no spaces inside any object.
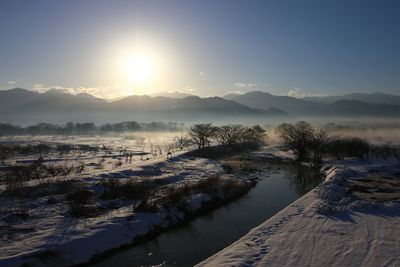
{"x":227,"y":136}
{"x":310,"y":143}
{"x":70,"y":128}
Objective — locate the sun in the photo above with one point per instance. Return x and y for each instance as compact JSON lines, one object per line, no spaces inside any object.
{"x":138,"y":69}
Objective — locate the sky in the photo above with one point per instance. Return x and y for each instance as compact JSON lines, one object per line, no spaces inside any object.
{"x":297,"y":48}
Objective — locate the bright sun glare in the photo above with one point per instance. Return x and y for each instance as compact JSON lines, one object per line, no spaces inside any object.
{"x":138,"y":69}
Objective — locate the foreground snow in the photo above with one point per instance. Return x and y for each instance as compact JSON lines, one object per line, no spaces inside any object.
{"x":51,"y":237}
{"x":352,"y":219}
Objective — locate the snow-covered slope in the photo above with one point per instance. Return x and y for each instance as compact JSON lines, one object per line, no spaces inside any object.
{"x":352,"y":219}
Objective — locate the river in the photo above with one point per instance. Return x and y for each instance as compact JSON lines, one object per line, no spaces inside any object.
{"x":196,"y":240}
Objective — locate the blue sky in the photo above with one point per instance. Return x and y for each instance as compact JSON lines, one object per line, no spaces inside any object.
{"x":203,"y":47}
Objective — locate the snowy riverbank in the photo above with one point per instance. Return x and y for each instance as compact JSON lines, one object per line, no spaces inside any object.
{"x":352,"y":219}
{"x":51,"y":236}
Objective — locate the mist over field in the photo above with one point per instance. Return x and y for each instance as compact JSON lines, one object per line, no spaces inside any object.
{"x":375,"y":133}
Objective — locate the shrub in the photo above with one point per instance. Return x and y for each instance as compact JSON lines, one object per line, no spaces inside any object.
{"x":5,"y":153}
{"x":129,"y":189}
{"x":117,"y":164}
{"x":78,"y":202}
{"x":51,"y":200}
{"x":147,"y":205}
{"x":349,"y":147}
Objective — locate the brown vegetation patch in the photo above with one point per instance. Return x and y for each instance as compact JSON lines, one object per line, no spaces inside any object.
{"x":376,"y":187}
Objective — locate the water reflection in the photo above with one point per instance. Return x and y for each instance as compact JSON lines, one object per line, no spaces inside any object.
{"x":304,"y":178}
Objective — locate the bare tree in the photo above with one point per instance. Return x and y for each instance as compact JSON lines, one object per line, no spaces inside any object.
{"x":320,"y":141}
{"x":159,"y":149}
{"x":182,"y":141}
{"x":297,"y":138}
{"x":229,"y":135}
{"x":153,"y":150}
{"x":253,"y":136}
{"x":140,"y":142}
{"x":201,"y":134}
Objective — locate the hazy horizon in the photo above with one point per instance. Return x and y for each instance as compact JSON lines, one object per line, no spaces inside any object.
{"x":211,"y":48}
{"x":181,"y":94}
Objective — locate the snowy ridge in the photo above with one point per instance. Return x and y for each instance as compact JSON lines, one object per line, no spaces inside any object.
{"x":332,"y":225}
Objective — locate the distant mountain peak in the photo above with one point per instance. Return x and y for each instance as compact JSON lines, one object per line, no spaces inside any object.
{"x":87,"y":95}
{"x":17,"y":89}
{"x":174,"y":94}
{"x":232,"y":96}
{"x":256,"y":93}
{"x":55,"y":91}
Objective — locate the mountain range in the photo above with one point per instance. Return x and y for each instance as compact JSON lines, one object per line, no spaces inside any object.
{"x":352,"y":105}
{"x":373,"y":98}
{"x":24,"y":106}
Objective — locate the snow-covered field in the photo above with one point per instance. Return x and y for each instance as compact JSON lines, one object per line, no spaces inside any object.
{"x":351,"y":219}
{"x":50,"y":235}
{"x":97,"y":153}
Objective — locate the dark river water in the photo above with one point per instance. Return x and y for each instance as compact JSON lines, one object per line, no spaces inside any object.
{"x":203,"y":236}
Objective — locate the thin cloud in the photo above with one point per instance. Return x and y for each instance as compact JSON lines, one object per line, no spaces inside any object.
{"x":202,"y":76}
{"x":243,"y":88}
{"x":236,"y":92}
{"x":190,"y":89}
{"x":102,"y":92}
{"x":41,"y":88}
{"x":299,"y":93}
{"x":12,"y":82}
{"x":246,"y":85}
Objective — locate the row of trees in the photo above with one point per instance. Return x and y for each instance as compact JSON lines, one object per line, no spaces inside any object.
{"x":71,"y":128}
{"x":310,"y":143}
{"x":227,"y":136}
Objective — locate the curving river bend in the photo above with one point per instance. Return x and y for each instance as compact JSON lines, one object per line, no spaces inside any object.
{"x":196,"y":240}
